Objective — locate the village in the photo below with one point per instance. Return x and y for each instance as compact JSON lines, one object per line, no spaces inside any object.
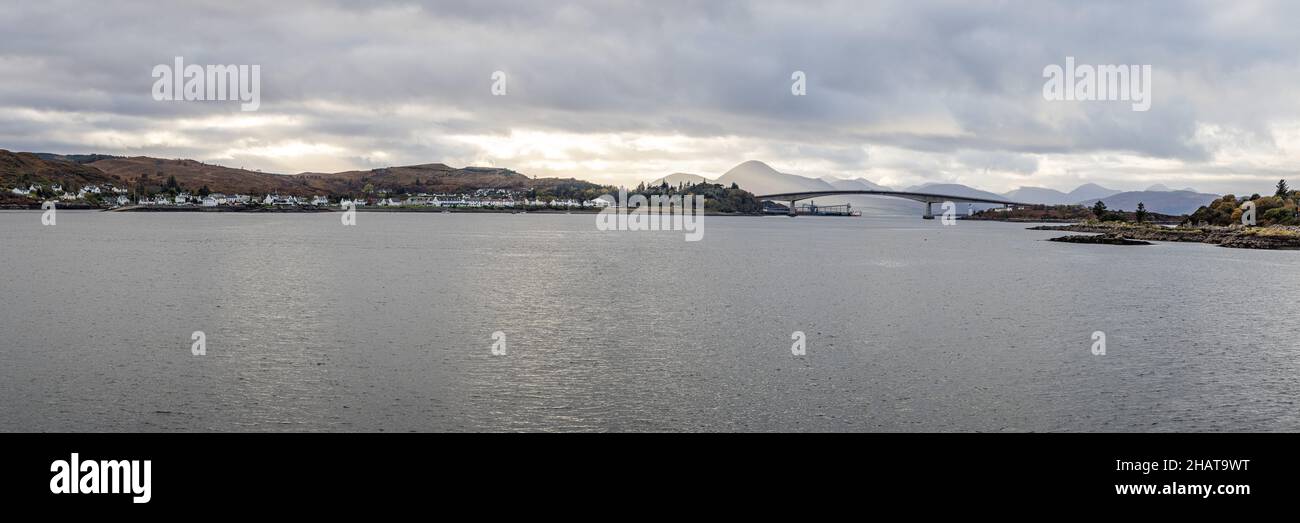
{"x":107,"y":195}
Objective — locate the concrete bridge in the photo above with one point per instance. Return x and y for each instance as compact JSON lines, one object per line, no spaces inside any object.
{"x":929,"y":199}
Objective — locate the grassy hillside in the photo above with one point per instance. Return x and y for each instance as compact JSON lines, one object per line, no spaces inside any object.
{"x":22,"y":169}
{"x":152,"y":173}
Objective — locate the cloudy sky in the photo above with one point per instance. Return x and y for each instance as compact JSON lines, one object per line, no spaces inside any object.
{"x":618,"y":92}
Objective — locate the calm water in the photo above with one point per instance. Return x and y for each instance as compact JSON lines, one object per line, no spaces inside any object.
{"x":387,"y":326}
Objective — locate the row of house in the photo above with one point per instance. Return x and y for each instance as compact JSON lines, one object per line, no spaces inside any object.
{"x":482,"y":198}
{"x":211,"y":200}
{"x":464,"y":201}
{"x":58,"y":189}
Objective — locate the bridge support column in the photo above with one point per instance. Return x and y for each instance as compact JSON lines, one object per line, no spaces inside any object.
{"x":929,"y":212}
{"x":792,"y":213}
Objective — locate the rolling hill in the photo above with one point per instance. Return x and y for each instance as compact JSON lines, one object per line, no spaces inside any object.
{"x":26,"y":168}
{"x":426,"y":178}
{"x":154,"y":172}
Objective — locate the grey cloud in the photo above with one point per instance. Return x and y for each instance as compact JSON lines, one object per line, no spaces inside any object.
{"x":700,"y":69}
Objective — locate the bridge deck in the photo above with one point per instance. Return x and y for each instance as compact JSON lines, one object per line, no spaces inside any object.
{"x":917,"y":196}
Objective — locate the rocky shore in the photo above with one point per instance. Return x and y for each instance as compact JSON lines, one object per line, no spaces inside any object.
{"x":1099,"y":239}
{"x":1276,"y":237}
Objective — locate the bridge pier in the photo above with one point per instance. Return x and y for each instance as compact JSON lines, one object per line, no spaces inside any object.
{"x":929,"y":212}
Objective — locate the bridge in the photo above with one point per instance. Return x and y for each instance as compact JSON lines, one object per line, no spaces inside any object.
{"x":929,"y":199}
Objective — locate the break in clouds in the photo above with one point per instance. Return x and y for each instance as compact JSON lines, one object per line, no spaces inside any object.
{"x":619,"y":92}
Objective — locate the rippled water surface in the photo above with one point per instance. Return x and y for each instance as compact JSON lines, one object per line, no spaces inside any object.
{"x":387,"y":326}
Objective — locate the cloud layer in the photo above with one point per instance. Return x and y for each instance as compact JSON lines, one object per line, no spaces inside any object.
{"x":898,"y":92}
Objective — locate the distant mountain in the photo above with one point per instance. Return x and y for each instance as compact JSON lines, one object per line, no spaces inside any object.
{"x":678,"y":178}
{"x":1157,"y":198}
{"x":1041,"y":195}
{"x":957,"y":189}
{"x":867,"y":204}
{"x":759,"y":178}
{"x":1090,"y":191}
{"x":75,"y":158}
{"x":1164,"y":202}
{"x":855,"y":184}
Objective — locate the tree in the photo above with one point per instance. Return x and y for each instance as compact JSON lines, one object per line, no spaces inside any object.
{"x":171,"y":183}
{"x":204,"y":191}
{"x":1099,"y":210}
{"x":1282,"y":189}
{"x":1141,"y":213}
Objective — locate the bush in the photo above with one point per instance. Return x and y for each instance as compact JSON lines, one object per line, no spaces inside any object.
{"x":1279,"y":216}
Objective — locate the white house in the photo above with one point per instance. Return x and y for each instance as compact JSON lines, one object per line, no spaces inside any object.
{"x":122,"y":199}
{"x":20,"y":191}
{"x":209,"y":201}
{"x":320,"y":200}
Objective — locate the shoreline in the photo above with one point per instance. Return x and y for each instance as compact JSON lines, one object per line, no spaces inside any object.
{"x":1265,"y":238}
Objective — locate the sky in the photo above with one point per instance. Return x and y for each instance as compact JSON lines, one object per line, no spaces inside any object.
{"x":900,"y":93}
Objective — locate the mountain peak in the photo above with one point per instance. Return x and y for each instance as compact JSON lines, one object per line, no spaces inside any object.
{"x":760,"y":178}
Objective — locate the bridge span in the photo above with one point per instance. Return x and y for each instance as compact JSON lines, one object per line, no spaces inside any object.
{"x":929,"y":199}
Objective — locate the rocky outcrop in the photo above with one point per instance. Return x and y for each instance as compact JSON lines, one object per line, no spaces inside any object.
{"x":1261,"y":241}
{"x":1234,"y":237}
{"x":1099,"y":239}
